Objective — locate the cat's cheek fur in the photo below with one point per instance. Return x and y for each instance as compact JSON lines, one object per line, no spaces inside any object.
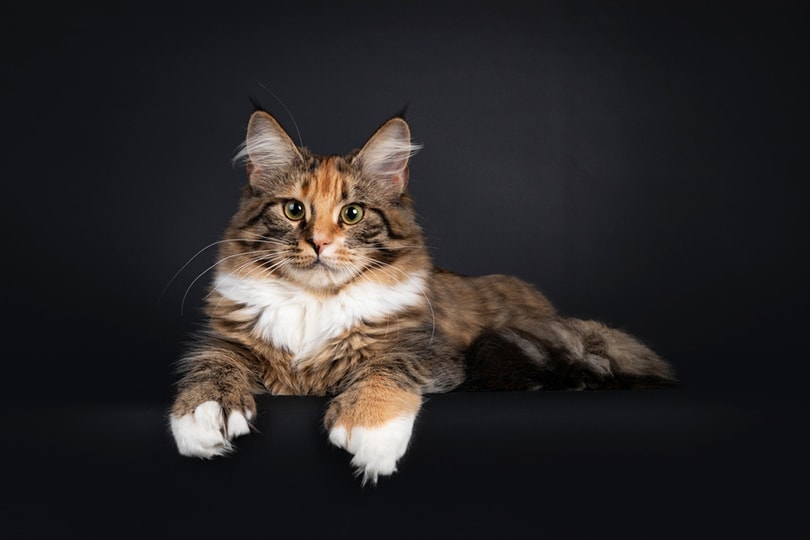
{"x":376,"y":450}
{"x":204,"y":433}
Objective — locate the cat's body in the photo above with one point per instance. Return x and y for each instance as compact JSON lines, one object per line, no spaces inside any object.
{"x":324,"y":287}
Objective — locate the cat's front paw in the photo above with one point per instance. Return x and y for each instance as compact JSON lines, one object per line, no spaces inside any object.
{"x":205,"y":432}
{"x":376,"y":450}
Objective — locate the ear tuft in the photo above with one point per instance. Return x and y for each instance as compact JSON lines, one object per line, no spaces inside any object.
{"x":385,"y":155}
{"x":267,"y":150}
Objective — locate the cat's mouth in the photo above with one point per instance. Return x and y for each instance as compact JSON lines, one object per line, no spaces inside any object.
{"x":322,"y":272}
{"x":320,"y":263}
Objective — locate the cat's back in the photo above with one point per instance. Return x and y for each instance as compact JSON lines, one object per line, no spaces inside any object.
{"x":464,"y":306}
{"x":487,"y":290}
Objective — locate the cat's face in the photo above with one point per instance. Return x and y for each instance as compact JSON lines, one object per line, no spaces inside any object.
{"x":323,"y":221}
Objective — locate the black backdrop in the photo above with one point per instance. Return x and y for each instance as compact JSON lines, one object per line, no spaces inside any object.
{"x":641,"y":163}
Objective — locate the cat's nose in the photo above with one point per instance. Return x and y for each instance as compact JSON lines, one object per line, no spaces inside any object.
{"x":318,"y":242}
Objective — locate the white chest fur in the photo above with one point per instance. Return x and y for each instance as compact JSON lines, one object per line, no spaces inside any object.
{"x":291,"y":318}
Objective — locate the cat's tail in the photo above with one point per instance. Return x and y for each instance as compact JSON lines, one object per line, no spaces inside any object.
{"x":563,"y":354}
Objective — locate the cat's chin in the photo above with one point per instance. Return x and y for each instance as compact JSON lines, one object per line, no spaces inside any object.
{"x":322,"y":277}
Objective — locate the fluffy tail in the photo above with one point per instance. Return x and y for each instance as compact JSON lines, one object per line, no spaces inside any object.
{"x":563,"y":354}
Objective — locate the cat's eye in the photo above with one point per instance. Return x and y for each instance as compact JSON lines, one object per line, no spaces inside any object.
{"x":294,"y":210}
{"x":351,"y":214}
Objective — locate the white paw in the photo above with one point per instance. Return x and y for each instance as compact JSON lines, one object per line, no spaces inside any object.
{"x":375,"y":450}
{"x":204,"y":433}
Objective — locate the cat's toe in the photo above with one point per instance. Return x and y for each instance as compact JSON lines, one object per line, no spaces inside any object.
{"x":238,"y":424}
{"x":376,"y":450}
{"x":204,"y":433}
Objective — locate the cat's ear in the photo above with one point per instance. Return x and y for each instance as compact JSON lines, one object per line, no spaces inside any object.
{"x":267,"y":151}
{"x":385,"y":155}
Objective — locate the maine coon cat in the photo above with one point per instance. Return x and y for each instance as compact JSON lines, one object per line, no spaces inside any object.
{"x":324,"y":286}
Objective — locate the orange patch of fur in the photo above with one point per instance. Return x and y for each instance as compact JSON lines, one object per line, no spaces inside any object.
{"x":323,"y":191}
{"x":372,"y":403}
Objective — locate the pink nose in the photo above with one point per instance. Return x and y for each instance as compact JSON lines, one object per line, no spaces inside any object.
{"x":318,"y":241}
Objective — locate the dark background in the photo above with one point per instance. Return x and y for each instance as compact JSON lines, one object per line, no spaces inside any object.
{"x":641,"y":163}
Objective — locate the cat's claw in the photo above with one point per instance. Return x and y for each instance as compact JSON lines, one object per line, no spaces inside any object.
{"x":376,"y":450}
{"x":205,"y":433}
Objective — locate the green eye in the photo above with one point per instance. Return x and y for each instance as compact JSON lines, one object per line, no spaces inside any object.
{"x":294,"y":210}
{"x":351,"y":214}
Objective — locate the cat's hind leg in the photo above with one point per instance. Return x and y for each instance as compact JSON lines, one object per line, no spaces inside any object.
{"x":214,"y":402}
{"x":563,"y":354}
{"x":373,"y":420}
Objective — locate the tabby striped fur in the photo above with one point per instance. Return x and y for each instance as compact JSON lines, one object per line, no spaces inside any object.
{"x":324,"y":286}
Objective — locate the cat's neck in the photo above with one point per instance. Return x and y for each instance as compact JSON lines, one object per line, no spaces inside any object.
{"x":302,"y":320}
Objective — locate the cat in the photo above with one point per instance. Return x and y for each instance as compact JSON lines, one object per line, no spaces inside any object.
{"x":324,"y":286}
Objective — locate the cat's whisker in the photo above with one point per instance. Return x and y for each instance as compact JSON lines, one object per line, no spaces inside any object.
{"x":386,"y":269}
{"x":262,"y":271}
{"x":388,"y":323}
{"x":216,"y":263}
{"x":258,"y":268}
{"x":377,"y":247}
{"x":259,"y":238}
{"x":278,"y":260}
{"x":298,"y":131}
{"x":265,"y":238}
{"x":203,"y":249}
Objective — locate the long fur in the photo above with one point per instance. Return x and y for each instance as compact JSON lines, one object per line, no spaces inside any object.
{"x":324,"y":286}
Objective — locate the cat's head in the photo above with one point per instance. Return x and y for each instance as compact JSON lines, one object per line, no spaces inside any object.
{"x":322,"y":221}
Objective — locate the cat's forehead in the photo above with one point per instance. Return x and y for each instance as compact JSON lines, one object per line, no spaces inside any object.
{"x":328,"y":178}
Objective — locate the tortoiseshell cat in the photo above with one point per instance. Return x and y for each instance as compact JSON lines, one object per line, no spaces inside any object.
{"x":324,"y":286}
